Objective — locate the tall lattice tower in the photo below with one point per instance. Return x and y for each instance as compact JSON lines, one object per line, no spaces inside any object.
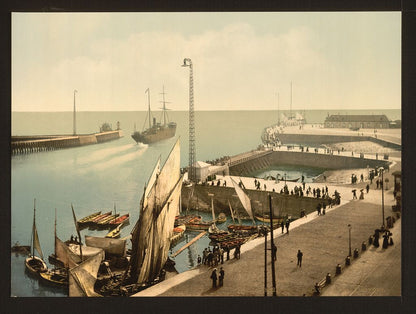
{"x":192,"y":153}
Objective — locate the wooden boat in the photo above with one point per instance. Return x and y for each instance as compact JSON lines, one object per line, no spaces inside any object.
{"x":236,"y":228}
{"x":57,"y":277}
{"x":103,"y":222}
{"x":95,"y":219}
{"x":115,"y":233}
{"x":198,"y":226}
{"x":221,"y":218}
{"x":276,"y":220}
{"x":122,"y":219}
{"x":177,"y":233}
{"x":87,"y":219}
{"x":187,"y":219}
{"x":34,"y":263}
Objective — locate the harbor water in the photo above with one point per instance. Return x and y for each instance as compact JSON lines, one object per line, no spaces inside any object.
{"x":113,"y":174}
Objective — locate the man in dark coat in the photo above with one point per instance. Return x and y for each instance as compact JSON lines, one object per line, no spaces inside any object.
{"x":274,"y":251}
{"x":287,"y":226}
{"x":221,"y":278}
{"x":300,"y":255}
{"x":214,"y":278}
{"x":283,"y":226}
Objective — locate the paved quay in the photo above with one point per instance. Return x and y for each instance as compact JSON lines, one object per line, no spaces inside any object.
{"x":324,"y":241}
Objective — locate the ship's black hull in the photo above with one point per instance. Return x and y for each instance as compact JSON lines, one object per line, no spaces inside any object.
{"x":155,"y":134}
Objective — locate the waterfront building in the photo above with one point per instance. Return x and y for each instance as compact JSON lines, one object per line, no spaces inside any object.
{"x":357,"y":121}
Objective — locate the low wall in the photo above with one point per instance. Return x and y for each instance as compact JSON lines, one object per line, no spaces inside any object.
{"x":282,"y":204}
{"x":316,"y":140}
{"x":87,"y":139}
{"x":326,"y":161}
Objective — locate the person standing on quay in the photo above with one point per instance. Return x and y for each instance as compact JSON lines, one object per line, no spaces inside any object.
{"x":287,"y":226}
{"x":283,"y":226}
{"x":214,"y":278}
{"x":300,"y":255}
{"x":221,"y":278}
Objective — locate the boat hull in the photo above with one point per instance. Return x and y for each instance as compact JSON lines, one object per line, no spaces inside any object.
{"x":276,"y":220}
{"x":155,"y":134}
{"x":55,"y":278}
{"x":35,"y":265}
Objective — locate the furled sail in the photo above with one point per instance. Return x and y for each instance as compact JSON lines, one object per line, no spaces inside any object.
{"x":244,"y":199}
{"x":83,"y":277}
{"x":151,"y":236}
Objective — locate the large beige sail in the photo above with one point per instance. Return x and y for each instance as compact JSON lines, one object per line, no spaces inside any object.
{"x":151,"y":182}
{"x":159,"y":237}
{"x":156,"y":220}
{"x":83,"y":277}
{"x":244,"y":199}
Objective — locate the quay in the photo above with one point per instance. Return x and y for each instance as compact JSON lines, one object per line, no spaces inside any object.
{"x":324,"y":241}
{"x":39,"y":143}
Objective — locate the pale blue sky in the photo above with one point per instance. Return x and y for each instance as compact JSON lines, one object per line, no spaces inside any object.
{"x":339,"y":60}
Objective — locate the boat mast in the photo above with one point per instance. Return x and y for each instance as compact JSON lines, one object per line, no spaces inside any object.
{"x":290,"y":116}
{"x":148,"y":101}
{"x":33,"y":227}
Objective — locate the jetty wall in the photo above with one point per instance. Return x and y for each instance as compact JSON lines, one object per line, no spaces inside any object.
{"x":317,"y":140}
{"x":316,"y":160}
{"x":282,"y":204}
{"x":38,"y":143}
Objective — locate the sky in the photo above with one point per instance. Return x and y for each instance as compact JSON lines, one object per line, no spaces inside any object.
{"x":241,"y":60}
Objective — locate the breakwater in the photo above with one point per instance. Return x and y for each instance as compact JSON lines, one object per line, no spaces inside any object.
{"x":282,"y":204}
{"x":317,"y":140}
{"x":38,"y":143}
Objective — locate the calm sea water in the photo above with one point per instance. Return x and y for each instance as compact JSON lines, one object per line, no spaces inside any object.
{"x":99,"y":177}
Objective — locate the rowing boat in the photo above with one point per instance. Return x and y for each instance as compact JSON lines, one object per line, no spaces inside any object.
{"x":115,"y":233}
{"x":99,"y":217}
{"x":122,"y":219}
{"x":105,"y":220}
{"x":88,"y":218}
{"x":57,"y":277}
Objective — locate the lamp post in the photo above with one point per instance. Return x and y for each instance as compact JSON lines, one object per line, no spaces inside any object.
{"x":285,"y":178}
{"x":349,"y":239}
{"x":75,"y":126}
{"x":382,"y":196}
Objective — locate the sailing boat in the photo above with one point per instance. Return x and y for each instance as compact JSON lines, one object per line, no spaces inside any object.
{"x":34,"y":263}
{"x":246,"y":202}
{"x":153,"y":231}
{"x":213,"y":229}
{"x":157,"y":131}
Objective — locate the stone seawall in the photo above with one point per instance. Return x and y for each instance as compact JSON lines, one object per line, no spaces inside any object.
{"x":316,"y":140}
{"x":38,"y":143}
{"x":282,"y":204}
{"x":326,"y":161}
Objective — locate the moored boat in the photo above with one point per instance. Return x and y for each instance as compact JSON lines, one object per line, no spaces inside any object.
{"x":178,"y":232}
{"x":99,"y":217}
{"x":236,"y":228}
{"x":122,"y":219}
{"x":34,"y":263}
{"x":198,"y":225}
{"x":56,"y":276}
{"x":265,"y":218}
{"x":103,"y":222}
{"x":87,"y":219}
{"x":115,"y":233}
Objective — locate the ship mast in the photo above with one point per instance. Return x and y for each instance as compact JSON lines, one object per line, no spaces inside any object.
{"x":164,"y":106}
{"x":148,"y":101}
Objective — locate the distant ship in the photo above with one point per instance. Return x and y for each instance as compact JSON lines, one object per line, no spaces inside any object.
{"x":157,"y":131}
